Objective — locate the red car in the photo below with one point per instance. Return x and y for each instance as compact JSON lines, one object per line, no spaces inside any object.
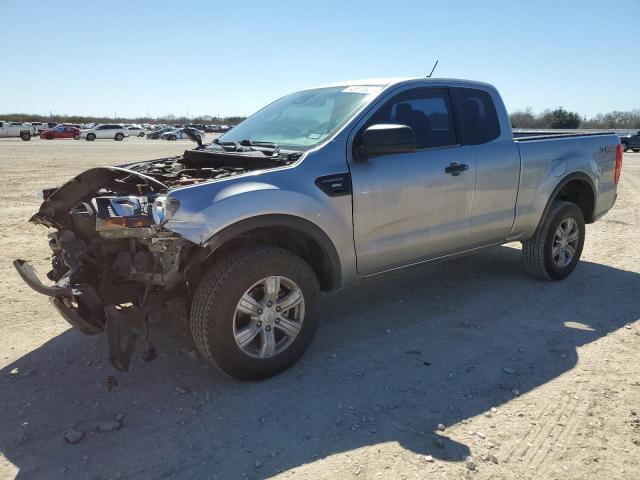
{"x":61,"y":131}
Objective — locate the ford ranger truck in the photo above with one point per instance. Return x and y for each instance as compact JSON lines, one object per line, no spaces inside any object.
{"x":319,"y":190}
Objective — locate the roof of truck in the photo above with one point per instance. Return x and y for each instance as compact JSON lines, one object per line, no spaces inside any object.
{"x":385,"y":82}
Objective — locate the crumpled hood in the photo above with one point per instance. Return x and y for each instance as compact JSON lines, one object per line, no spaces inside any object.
{"x":54,"y":210}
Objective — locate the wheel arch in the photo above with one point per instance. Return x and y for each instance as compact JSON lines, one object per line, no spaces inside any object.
{"x":578,"y":188}
{"x":289,"y":232}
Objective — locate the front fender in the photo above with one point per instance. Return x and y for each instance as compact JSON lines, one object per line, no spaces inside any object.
{"x":205,"y":211}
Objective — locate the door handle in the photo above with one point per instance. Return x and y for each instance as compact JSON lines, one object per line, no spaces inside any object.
{"x":456,"y":168}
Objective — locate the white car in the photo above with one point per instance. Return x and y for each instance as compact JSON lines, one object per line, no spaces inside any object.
{"x":108,"y":130}
{"x":135,"y":131}
{"x":179,"y":134}
{"x":38,"y":127}
{"x":16,"y":129}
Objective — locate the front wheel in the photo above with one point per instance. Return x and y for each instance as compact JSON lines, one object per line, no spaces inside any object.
{"x":553,"y":252}
{"x":253,"y":314}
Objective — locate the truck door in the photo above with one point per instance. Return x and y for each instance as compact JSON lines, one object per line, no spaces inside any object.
{"x":410,"y":207}
{"x":498,"y":163}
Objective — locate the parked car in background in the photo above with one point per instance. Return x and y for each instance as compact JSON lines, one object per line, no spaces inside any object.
{"x":15,"y":129}
{"x":631,"y":142}
{"x":135,"y":131}
{"x":108,"y":130}
{"x":60,"y":131}
{"x":156,"y":134}
{"x":180,"y":134}
{"x":38,"y":127}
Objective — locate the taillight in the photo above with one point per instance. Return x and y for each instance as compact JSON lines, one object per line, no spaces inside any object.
{"x":618,"y":169}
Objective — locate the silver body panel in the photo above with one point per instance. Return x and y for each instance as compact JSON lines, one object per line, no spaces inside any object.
{"x":404,"y":209}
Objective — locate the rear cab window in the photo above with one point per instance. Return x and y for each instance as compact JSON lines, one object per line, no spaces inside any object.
{"x":476,"y":115}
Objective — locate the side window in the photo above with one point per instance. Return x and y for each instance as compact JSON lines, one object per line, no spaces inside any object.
{"x":427,"y":111}
{"x":476,"y":115}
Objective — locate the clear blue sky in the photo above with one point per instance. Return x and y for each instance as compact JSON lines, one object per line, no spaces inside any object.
{"x":232,"y":57}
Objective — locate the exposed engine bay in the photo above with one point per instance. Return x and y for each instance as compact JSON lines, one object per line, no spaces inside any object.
{"x":114,"y":265}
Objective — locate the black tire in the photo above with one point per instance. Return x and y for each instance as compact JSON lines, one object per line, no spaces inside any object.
{"x":25,"y":136}
{"x":91,"y":137}
{"x":172,"y":138}
{"x":636,"y":150}
{"x":214,"y":305}
{"x":625,"y":147}
{"x":49,"y":137}
{"x":141,"y":134}
{"x":76,"y":137}
{"x":537,"y":252}
{"x":118,"y":137}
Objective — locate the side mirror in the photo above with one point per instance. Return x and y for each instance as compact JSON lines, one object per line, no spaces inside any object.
{"x":385,"y":139}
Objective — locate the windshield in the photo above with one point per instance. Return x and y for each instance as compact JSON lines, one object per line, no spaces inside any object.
{"x":303,"y":119}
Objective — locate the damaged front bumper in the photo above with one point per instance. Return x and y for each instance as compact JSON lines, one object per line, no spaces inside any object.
{"x":83,"y":309}
{"x":113,"y":266}
{"x":61,"y":298}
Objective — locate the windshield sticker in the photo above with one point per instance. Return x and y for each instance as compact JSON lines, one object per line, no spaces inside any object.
{"x":366,"y":89}
{"x":314,"y":136}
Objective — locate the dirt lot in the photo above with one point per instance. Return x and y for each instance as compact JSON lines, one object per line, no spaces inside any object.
{"x":532,"y":379}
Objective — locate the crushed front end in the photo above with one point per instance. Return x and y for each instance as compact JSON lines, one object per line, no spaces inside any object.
{"x":114,"y":265}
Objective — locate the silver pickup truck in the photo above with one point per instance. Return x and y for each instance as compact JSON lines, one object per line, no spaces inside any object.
{"x":319,"y":190}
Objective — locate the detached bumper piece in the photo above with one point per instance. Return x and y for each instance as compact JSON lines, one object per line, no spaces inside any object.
{"x":81,"y":307}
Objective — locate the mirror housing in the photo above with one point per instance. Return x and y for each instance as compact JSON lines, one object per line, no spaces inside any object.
{"x":385,"y":139}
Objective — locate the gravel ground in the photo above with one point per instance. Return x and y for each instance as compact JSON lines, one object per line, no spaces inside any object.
{"x":464,"y":369}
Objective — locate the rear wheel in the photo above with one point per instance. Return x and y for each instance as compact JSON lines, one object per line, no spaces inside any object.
{"x":91,"y":137}
{"x":25,"y":136}
{"x":555,"y":249}
{"x":253,"y":314}
{"x":76,"y":137}
{"x":625,"y":147}
{"x":636,"y":150}
{"x":119,"y":137}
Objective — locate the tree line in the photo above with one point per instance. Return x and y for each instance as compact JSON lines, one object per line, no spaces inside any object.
{"x":171,"y":119}
{"x":558,"y":118}
{"x":561,"y":118}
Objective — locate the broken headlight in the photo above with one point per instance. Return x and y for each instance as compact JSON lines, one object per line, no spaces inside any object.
{"x":164,"y":208}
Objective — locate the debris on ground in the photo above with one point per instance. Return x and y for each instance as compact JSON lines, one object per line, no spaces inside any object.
{"x":73,"y":436}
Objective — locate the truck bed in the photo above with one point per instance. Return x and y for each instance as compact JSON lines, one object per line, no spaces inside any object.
{"x":546,"y":159}
{"x":529,"y":136}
